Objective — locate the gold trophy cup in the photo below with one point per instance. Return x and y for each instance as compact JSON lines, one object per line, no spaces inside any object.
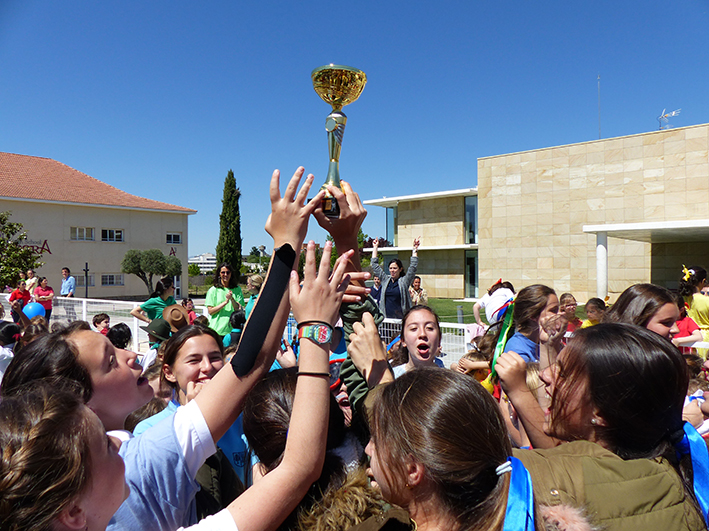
{"x":339,"y":86}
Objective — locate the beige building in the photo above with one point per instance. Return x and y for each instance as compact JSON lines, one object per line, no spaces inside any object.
{"x":72,"y":218}
{"x":590,"y":218}
{"x":447,"y":225}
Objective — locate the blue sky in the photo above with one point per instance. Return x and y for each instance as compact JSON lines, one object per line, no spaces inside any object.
{"x":162,"y":98}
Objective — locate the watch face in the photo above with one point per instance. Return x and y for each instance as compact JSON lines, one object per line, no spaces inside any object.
{"x":322,"y":334}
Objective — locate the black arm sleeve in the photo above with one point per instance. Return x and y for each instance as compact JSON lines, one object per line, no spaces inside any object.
{"x":261,"y":318}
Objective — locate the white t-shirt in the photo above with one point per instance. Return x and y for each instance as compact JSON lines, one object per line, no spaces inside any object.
{"x":493,"y":303}
{"x":222,"y":521}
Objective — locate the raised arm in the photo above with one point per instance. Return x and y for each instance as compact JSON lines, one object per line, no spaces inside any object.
{"x":375,"y":249}
{"x":222,"y":400}
{"x":413,"y":264}
{"x":267,"y":503}
{"x":512,"y":370}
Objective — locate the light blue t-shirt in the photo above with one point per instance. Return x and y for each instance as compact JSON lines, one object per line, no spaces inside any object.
{"x":162,"y":491}
{"x":233,"y":443}
{"x":68,"y":286}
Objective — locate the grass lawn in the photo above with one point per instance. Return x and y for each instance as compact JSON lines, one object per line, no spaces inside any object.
{"x":447,"y":310}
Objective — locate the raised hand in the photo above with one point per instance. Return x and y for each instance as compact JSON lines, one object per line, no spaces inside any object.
{"x":320,"y":297}
{"x":288,"y":222}
{"x":368,"y":352}
{"x":512,"y":371}
{"x":352,"y":213}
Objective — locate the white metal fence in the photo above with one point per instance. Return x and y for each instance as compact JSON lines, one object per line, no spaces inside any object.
{"x":65,"y":310}
{"x":70,"y":309}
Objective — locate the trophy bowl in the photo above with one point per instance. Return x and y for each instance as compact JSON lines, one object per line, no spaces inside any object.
{"x":338,"y":85}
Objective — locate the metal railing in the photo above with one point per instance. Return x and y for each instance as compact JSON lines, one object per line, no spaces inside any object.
{"x":452,"y":338}
{"x":66,"y":310}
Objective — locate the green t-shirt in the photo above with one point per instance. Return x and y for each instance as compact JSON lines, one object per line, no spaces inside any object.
{"x":219,"y":321}
{"x":153,"y":307}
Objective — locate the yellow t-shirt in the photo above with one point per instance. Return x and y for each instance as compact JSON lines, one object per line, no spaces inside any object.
{"x":588,"y":323}
{"x":699,"y":309}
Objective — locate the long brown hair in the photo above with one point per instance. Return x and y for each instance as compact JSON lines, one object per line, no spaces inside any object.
{"x":447,"y":422}
{"x":637,"y":380}
{"x":638,"y":304}
{"x":49,"y":357}
{"x":267,"y":413}
{"x":45,"y":462}
{"x":529,"y":304}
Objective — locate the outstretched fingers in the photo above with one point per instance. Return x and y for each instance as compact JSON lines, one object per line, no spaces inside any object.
{"x":292,"y":186}
{"x":339,"y":276}
{"x":274,"y":190}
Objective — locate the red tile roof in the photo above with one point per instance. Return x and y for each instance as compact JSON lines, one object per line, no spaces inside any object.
{"x":58,"y":182}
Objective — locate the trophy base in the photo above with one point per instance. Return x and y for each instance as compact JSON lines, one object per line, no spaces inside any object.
{"x":330,"y":207}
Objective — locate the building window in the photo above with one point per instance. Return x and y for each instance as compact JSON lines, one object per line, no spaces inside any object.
{"x":81,"y":281}
{"x":112,"y":279}
{"x":393,"y":225}
{"x":174,"y":238}
{"x":112,"y":235}
{"x":82,"y":234}
{"x":471,"y":274}
{"x":471,"y":219}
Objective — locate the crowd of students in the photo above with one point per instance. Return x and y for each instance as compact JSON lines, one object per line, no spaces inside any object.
{"x":549,"y":423}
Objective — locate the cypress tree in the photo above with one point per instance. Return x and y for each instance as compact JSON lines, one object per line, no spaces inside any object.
{"x":229,"y":246}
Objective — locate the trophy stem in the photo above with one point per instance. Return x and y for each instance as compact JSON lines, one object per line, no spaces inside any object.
{"x":335,"y":127}
{"x":333,"y":175}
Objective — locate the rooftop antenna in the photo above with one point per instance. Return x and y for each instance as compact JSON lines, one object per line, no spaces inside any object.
{"x":599,"y":106}
{"x":664,"y":118}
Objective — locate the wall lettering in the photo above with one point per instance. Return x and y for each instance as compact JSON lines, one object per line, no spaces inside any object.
{"x":38,"y":246}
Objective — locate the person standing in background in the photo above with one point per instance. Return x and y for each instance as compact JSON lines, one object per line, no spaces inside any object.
{"x":67,"y":290}
{"x":223,"y":298}
{"x":32,"y":282}
{"x":43,"y":294}
{"x":376,"y":288}
{"x":418,"y":294}
{"x":395,"y":299}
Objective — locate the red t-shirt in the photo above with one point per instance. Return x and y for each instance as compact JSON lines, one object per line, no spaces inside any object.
{"x":39,"y":291}
{"x":686,"y":327}
{"x":23,"y":295}
{"x":573,"y":325}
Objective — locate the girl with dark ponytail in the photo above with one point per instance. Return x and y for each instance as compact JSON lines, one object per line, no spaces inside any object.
{"x":161,"y":298}
{"x":693,"y":280}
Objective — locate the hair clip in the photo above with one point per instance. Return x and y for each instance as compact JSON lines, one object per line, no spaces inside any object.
{"x":687,"y":273}
{"x":503,"y":468}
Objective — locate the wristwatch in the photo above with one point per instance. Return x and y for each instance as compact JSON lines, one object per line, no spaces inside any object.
{"x":319,"y":333}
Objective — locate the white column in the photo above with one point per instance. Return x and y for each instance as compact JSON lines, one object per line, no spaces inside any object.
{"x":601,"y":264}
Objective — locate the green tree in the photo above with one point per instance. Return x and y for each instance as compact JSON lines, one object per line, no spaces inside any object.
{"x":146,"y":264}
{"x":229,"y":245}
{"x":254,"y":252}
{"x":193,"y":270}
{"x":173,"y":266}
{"x":362,"y":238}
{"x":14,"y":257}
